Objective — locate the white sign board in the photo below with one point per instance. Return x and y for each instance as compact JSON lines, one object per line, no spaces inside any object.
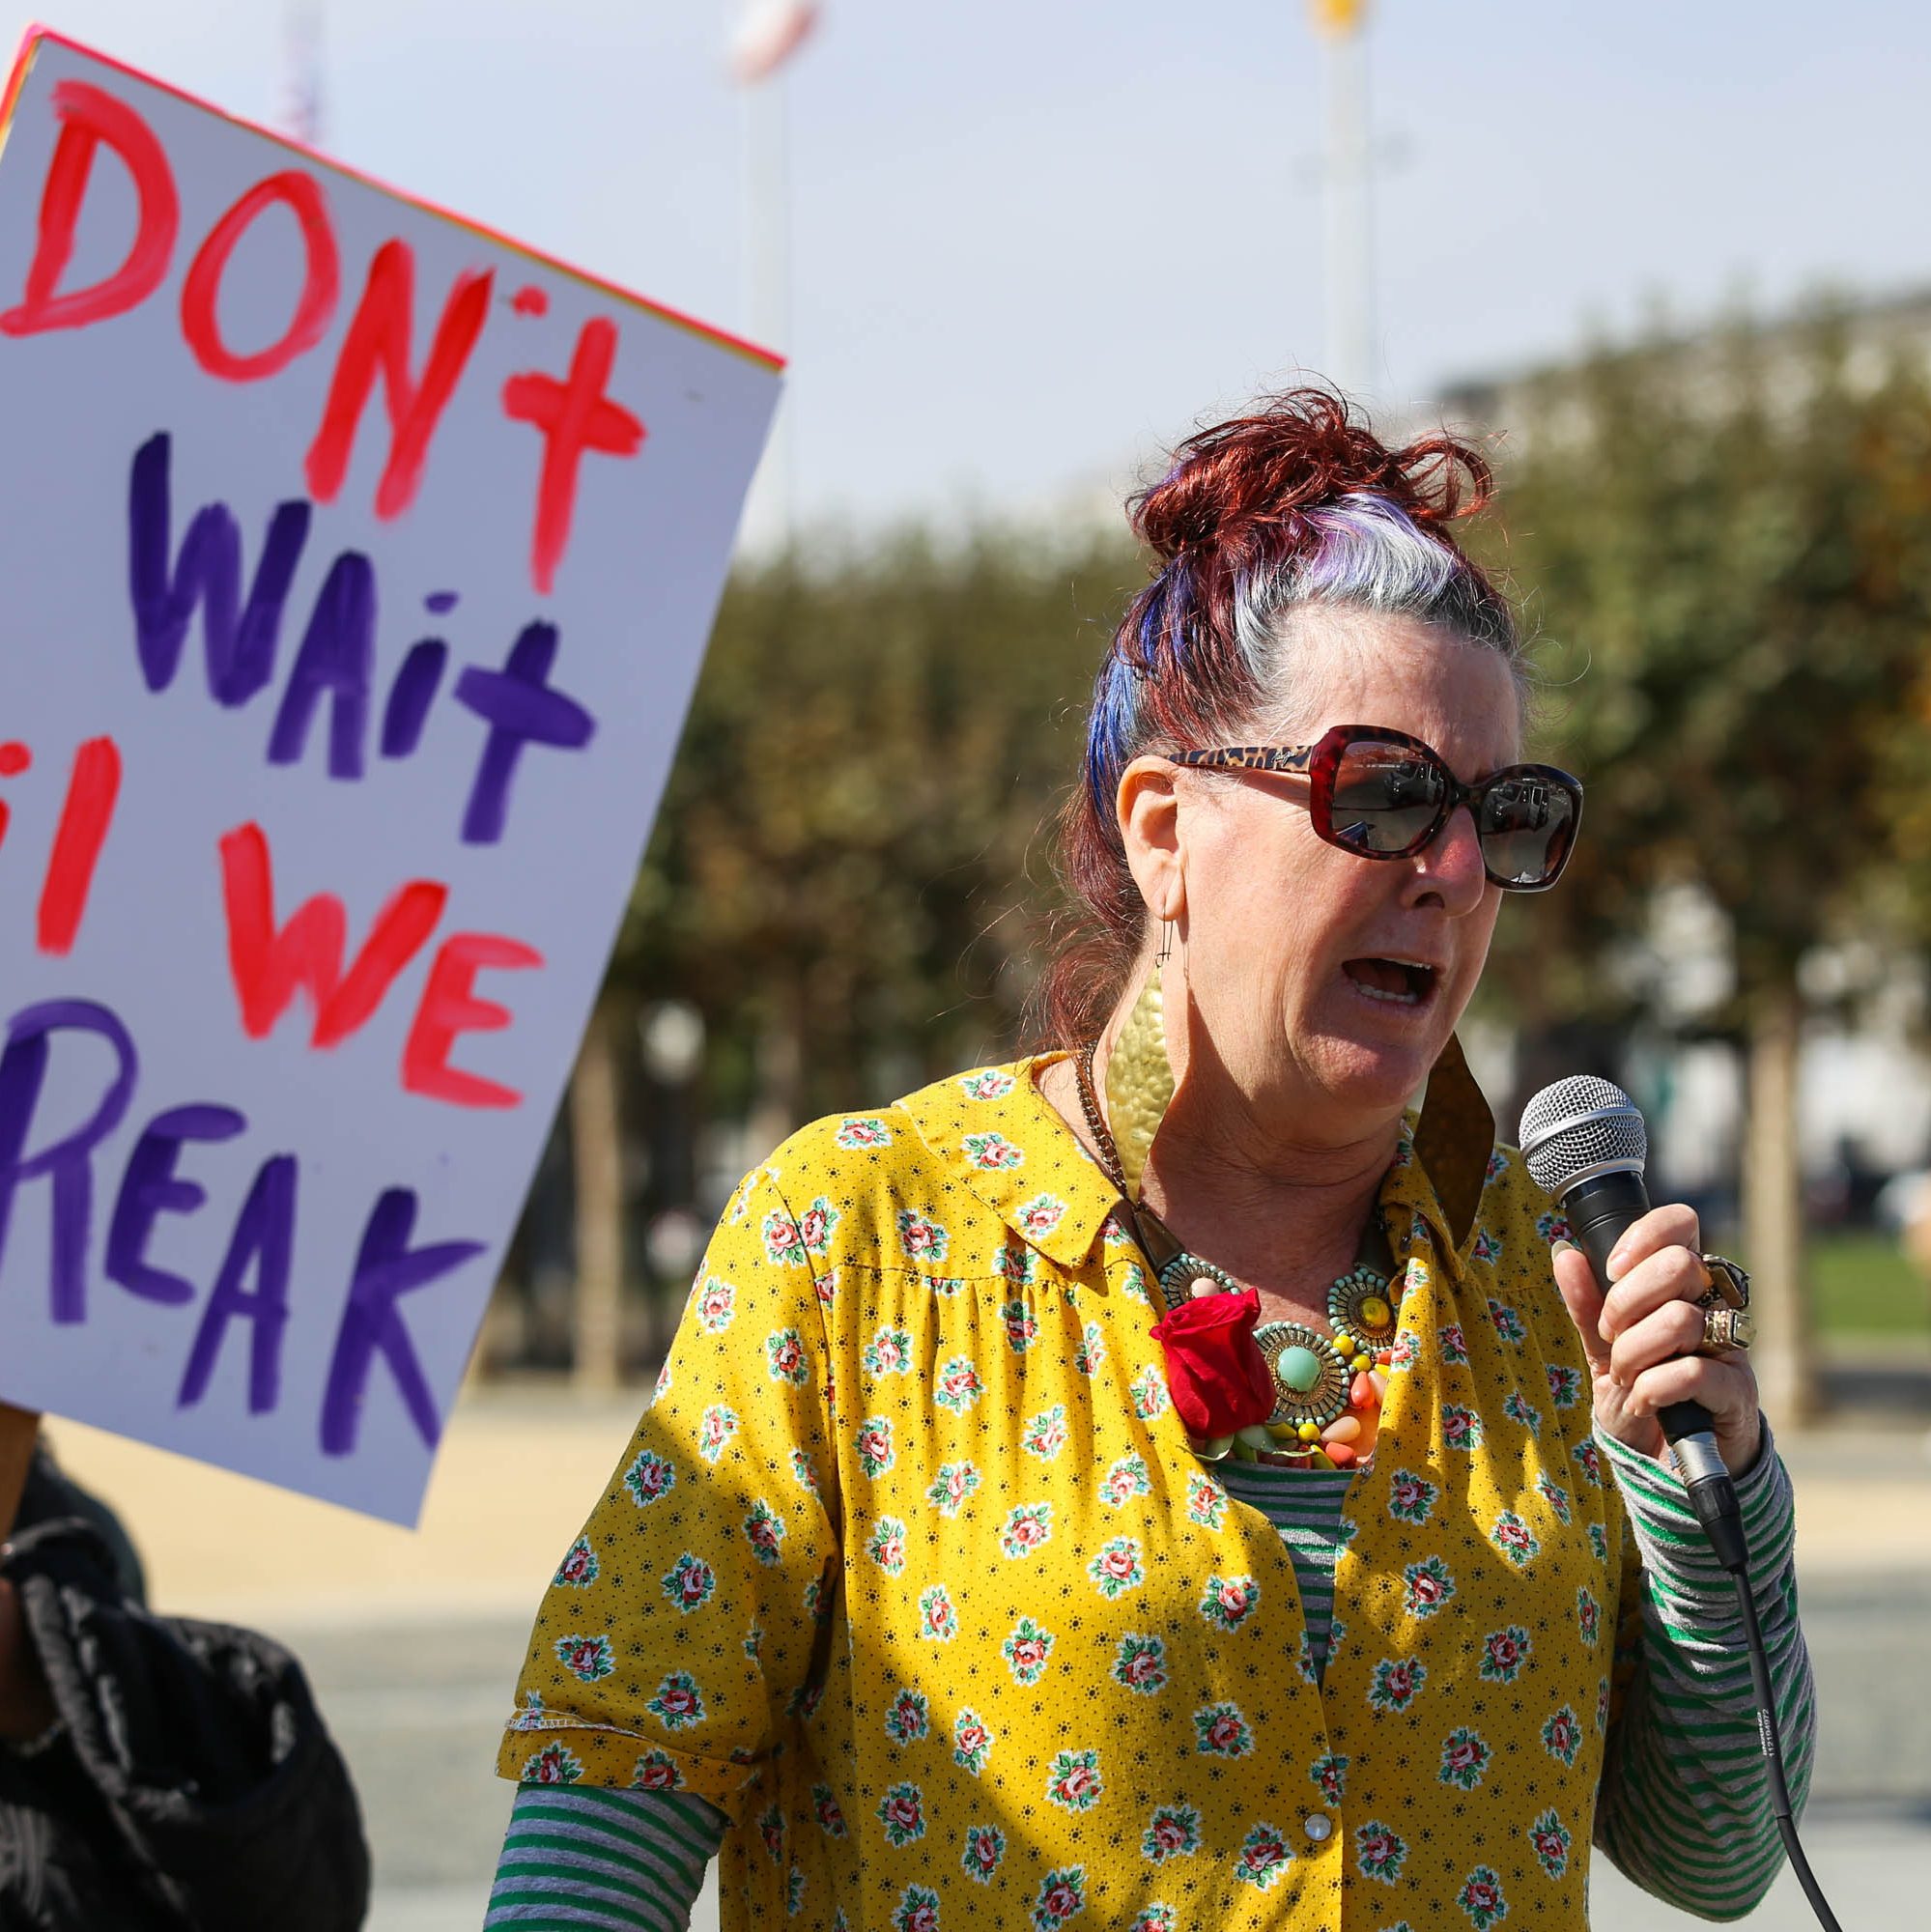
{"x":358,"y":565}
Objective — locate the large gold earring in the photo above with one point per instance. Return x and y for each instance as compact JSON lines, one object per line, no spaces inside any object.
{"x":1139,"y":1075}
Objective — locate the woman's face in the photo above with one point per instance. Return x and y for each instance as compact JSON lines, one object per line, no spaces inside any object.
{"x":1319,"y":981}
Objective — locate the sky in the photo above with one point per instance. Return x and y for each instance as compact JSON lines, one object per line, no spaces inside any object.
{"x":1035,"y":241}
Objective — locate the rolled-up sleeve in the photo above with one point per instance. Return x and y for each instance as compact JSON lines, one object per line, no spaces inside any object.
{"x":686,"y":1623}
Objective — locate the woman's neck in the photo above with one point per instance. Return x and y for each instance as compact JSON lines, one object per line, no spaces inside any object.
{"x":1279,"y":1208}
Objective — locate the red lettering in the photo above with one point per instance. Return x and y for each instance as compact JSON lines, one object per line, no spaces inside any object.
{"x":377,"y":341}
{"x":267,"y":965}
{"x":449,"y":1006}
{"x":572,"y":416}
{"x":89,"y":117}
{"x":92,"y":789}
{"x":200,"y":292}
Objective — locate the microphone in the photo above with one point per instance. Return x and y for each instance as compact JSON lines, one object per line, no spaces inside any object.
{"x":1585,"y":1142}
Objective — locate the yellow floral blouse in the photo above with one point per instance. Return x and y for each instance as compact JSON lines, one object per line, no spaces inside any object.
{"x":909,"y":1570}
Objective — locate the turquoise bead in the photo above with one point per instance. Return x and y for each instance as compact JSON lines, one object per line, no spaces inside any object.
{"x":1300,"y":1369}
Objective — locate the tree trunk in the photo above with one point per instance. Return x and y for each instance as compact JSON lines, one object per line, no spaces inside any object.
{"x":1784,"y":1356}
{"x":596,"y":1146}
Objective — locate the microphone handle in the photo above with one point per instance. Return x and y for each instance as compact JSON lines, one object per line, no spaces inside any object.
{"x":1599,"y":1211}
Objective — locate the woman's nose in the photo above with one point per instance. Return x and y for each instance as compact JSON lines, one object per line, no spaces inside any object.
{"x":1452,"y":866}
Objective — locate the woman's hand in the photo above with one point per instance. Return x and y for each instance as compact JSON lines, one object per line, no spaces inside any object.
{"x":1640,"y":1338}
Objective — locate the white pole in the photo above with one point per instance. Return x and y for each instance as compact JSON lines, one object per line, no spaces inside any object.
{"x":767,"y":271}
{"x":301,"y":75}
{"x":1349,"y":216}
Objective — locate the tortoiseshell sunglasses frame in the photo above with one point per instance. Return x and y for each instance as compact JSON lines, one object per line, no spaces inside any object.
{"x":1322,"y":760}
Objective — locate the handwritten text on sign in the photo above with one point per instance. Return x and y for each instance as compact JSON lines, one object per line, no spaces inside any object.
{"x":298,"y":930}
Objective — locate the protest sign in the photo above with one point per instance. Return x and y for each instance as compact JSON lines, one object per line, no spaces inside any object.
{"x":358,"y":565}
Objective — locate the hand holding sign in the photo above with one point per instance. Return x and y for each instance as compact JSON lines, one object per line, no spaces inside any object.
{"x":298,"y":930}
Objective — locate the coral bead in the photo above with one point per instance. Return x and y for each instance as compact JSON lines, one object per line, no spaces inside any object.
{"x":1344,"y":1431}
{"x":1362,"y":1393}
{"x":1339,"y":1456}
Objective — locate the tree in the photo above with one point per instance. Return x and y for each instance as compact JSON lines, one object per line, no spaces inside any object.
{"x":1735,"y":538}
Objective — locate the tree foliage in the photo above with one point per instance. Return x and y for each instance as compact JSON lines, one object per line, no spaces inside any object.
{"x":851,"y":857}
{"x":1731,"y":551}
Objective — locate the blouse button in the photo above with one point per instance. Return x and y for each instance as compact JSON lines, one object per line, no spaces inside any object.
{"x":1317,"y":1826}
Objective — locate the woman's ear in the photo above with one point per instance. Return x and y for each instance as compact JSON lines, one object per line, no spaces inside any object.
{"x":1149,"y":809}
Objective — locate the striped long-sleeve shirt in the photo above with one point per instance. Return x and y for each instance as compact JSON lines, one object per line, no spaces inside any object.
{"x":1683,"y":1810}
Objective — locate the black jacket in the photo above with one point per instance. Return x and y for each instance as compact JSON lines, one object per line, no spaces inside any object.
{"x":189,"y":1787}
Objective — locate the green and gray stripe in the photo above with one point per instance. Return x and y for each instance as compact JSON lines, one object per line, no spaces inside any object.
{"x":1305,"y":1506}
{"x":581,"y":1859}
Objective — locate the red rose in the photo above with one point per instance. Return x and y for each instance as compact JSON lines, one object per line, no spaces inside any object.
{"x":1218,"y":1378}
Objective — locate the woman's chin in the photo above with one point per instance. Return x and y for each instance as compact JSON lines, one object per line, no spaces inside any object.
{"x":1369,"y":1077}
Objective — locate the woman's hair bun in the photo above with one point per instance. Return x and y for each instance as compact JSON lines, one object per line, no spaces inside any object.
{"x":1258,"y":473}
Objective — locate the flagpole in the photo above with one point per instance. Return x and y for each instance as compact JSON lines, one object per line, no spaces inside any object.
{"x":300,"y":113}
{"x":768,"y":36}
{"x":767,"y":274}
{"x":1349,"y":252}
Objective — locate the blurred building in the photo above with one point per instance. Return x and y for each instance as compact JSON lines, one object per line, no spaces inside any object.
{"x":1878,"y":333}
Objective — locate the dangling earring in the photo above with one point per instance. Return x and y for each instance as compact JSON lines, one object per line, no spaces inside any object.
{"x":1139,"y":1075}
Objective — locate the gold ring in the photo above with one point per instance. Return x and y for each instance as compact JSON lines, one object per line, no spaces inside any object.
{"x":1725,"y":1329}
{"x":1729,"y":1285}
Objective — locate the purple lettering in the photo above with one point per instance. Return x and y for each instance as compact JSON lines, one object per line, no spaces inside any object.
{"x":337,"y":658}
{"x":410,"y":695}
{"x":387,"y":1269}
{"x":150,"y":1189}
{"x":520,"y":707}
{"x":241,"y":653}
{"x":64,"y":1164}
{"x":263,"y":1240}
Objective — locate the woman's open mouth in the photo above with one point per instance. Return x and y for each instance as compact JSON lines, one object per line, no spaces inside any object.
{"x":1393,"y":983}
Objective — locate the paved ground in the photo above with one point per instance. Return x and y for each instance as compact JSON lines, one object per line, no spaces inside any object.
{"x":412,"y":1641}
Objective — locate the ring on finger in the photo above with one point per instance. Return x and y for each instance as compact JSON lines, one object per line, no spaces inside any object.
{"x":1726,"y":1329}
{"x":1729,"y":1285}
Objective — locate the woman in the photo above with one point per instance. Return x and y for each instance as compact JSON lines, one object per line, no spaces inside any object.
{"x":934,"y":1584}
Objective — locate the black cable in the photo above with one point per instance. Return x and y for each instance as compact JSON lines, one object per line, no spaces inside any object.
{"x":1713,"y":1495}
{"x":1773,"y":1752}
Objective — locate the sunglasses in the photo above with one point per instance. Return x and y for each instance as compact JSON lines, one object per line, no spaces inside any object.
{"x":1381,"y":794}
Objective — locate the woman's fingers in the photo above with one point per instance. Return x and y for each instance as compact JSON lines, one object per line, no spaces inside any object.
{"x":1672,"y":1226}
{"x":1576,"y":1282}
{"x":1675,"y":1329}
{"x":1673,"y":1274}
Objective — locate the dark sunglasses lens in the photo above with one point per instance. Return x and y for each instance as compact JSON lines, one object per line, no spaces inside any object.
{"x":1527,"y":825}
{"x":1386,"y":797}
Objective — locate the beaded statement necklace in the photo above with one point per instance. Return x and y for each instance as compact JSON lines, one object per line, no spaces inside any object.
{"x":1328,"y":1389}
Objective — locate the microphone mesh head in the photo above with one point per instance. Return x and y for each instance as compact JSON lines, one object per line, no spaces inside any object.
{"x":1580,"y":1127}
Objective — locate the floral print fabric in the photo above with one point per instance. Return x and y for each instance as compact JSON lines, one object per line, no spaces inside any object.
{"x":910,"y":1570}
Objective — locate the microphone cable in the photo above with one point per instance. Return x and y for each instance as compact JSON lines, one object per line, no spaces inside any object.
{"x":1585,"y":1143}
